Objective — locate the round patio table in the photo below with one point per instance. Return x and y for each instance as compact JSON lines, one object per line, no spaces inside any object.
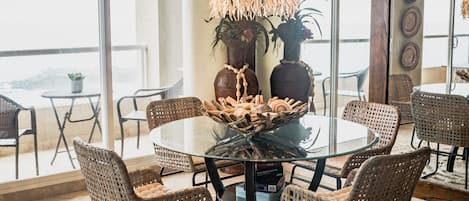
{"x":95,"y":108}
{"x":304,"y":139}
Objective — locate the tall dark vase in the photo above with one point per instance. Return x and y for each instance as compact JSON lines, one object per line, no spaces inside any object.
{"x":290,"y":78}
{"x":225,"y":81}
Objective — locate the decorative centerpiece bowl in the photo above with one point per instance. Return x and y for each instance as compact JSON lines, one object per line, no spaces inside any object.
{"x":251,"y":115}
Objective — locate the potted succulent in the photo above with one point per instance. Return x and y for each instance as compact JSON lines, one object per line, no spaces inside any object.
{"x":237,"y":79}
{"x":292,"y":77}
{"x":76,"y":82}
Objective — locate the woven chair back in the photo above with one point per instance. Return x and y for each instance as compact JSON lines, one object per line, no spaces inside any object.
{"x":8,"y":118}
{"x":384,"y":119}
{"x":441,"y":118}
{"x":105,"y":173}
{"x":400,"y":87}
{"x":389,"y":177}
{"x":163,"y":111}
{"x":167,"y":110}
{"x":175,"y":90}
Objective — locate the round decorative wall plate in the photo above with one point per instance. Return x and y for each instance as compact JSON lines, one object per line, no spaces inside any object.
{"x":411,"y":21}
{"x":410,"y":56}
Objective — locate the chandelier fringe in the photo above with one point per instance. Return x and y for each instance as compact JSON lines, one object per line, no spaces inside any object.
{"x":249,"y":9}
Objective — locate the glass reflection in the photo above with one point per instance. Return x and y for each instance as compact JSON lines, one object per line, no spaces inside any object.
{"x":276,"y":144}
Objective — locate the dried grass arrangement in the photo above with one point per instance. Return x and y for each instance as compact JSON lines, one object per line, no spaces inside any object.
{"x":251,"y":115}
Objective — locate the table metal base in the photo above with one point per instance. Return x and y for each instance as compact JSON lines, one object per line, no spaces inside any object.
{"x":67,"y":118}
{"x":250,"y":179}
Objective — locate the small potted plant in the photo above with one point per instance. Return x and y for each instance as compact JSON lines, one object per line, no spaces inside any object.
{"x":76,"y":82}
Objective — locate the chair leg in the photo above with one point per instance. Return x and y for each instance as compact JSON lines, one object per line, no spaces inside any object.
{"x":292,"y":173}
{"x":465,"y":154}
{"x":412,"y":139}
{"x":206,"y":179}
{"x":467,"y":161}
{"x":35,"y":154}
{"x":451,"y":158}
{"x":437,"y":161}
{"x":161,"y":171}
{"x":122,"y":137}
{"x":193,"y":179}
{"x":325,"y":104}
{"x":138,"y":134}
{"x":339,"y":183}
{"x":17,"y":157}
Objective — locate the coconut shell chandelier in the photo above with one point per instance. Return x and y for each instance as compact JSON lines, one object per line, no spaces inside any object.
{"x":249,"y":9}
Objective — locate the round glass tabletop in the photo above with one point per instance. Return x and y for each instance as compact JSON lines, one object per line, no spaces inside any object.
{"x":68,"y":94}
{"x":304,"y":139}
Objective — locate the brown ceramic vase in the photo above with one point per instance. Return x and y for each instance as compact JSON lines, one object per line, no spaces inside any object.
{"x":225,"y":81}
{"x":290,"y":79}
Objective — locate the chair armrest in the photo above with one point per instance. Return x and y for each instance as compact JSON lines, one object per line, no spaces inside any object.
{"x":194,"y":194}
{"x":32,"y":112}
{"x":343,"y":75}
{"x":138,"y":91}
{"x":134,"y":99}
{"x":357,"y":159}
{"x":296,"y":193}
{"x":144,"y":176}
{"x":33,"y":119}
{"x":350,"y":178}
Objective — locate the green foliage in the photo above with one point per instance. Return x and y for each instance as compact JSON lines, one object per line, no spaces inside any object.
{"x":246,"y":31}
{"x":76,"y":76}
{"x":294,"y":29}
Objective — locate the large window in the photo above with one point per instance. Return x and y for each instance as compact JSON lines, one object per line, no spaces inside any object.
{"x":354,"y":49}
{"x":43,"y":41}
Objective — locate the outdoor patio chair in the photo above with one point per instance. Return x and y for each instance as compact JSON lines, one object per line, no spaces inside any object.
{"x":106,"y":178}
{"x":360,"y":77}
{"x":441,"y":119}
{"x":383,"y":178}
{"x":384,"y":119}
{"x":138,"y":112}
{"x":163,"y":111}
{"x":400,"y":88}
{"x":9,"y":130}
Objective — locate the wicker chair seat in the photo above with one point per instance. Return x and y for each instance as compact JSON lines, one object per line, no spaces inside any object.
{"x":150,"y":190}
{"x":136,"y":115}
{"x":199,"y":164}
{"x":333,"y":165}
{"x":339,"y":195}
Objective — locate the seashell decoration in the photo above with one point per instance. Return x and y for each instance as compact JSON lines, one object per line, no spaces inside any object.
{"x":252,"y":115}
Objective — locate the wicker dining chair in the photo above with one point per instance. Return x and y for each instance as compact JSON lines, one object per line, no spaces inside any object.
{"x":384,"y":119}
{"x":106,"y":178}
{"x":441,"y":119}
{"x":137,"y":113}
{"x":163,"y":111}
{"x":400,"y":88}
{"x":383,"y":178}
{"x":9,"y":130}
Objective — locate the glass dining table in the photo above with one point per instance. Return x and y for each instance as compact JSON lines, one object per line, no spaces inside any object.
{"x":307,"y":138}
